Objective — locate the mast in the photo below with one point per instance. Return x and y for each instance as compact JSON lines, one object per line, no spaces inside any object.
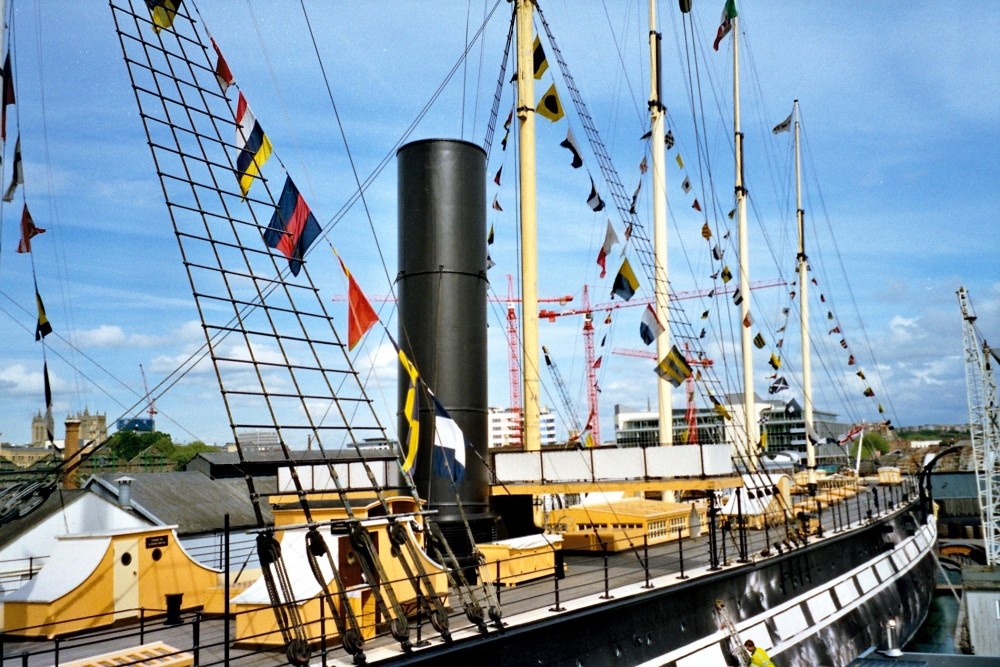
{"x":529,"y":238}
{"x":749,"y":407}
{"x":664,"y":392}
{"x":803,"y":270}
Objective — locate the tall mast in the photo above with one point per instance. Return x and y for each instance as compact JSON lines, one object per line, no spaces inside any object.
{"x":529,"y":238}
{"x":665,"y":436}
{"x":749,"y":407}
{"x":803,"y":270}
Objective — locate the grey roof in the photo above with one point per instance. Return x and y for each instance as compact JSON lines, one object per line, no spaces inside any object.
{"x":954,"y":485}
{"x":11,"y":530}
{"x":189,"y":500}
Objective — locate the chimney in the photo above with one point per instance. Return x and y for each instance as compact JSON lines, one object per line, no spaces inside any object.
{"x":125,"y":491}
{"x":71,"y":448}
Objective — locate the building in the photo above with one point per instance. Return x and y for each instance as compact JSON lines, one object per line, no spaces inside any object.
{"x":505,"y":427}
{"x":782,"y":422}
{"x":93,"y":428}
{"x":25,"y":457}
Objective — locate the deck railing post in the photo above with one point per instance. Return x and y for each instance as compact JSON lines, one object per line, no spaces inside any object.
{"x":726,"y":528}
{"x":24,"y":658}
{"x":226,"y":610}
{"x":645,"y":559}
{"x":558,"y":606}
{"x":680,"y":552}
{"x":55,"y":651}
{"x":819,"y":519}
{"x":607,"y":590}
{"x":322,"y":629}
{"x":741,"y":527}
{"x":142,"y":625}
{"x":496,"y":583}
{"x":196,"y":637}
{"x":713,"y":546}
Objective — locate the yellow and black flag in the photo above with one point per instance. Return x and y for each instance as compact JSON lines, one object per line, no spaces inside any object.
{"x":43,"y":328}
{"x":163,"y":12}
{"x":411,"y":408}
{"x":550,"y":106}
{"x":674,"y":368}
{"x":719,"y":407}
{"x":775,"y":362}
{"x":540,"y":62}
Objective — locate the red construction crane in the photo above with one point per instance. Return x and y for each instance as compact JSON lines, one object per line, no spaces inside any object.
{"x":593,"y":422}
{"x":145,"y":387}
{"x":691,"y":412}
{"x":513,"y":343}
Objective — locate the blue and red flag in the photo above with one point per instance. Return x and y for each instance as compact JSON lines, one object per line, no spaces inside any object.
{"x":293,"y":227}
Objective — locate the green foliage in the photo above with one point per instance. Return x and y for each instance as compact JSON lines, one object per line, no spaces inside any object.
{"x":944,"y":435}
{"x":184,"y":453}
{"x":126,"y":445}
{"x":872,"y":442}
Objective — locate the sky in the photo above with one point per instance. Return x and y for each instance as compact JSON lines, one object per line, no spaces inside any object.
{"x":900,"y":120}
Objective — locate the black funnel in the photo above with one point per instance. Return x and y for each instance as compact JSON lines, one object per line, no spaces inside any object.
{"x":441,"y":287}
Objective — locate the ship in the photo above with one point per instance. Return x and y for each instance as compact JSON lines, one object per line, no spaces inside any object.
{"x":425,"y":548}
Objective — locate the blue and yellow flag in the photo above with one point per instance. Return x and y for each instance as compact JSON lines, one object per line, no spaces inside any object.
{"x":253,"y":145}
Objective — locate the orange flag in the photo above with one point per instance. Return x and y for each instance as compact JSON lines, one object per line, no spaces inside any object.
{"x":360,"y":314}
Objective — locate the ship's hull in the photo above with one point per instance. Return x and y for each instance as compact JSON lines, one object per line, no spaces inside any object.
{"x":822,"y":604}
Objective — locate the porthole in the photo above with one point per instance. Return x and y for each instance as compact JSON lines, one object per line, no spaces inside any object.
{"x":157,"y":554}
{"x":126,"y":558}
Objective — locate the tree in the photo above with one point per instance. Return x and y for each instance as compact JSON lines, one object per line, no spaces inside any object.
{"x":182,"y":454}
{"x":873,"y":442}
{"x":126,"y":445}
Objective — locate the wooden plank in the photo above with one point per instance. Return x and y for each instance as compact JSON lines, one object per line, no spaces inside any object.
{"x":155,"y":654}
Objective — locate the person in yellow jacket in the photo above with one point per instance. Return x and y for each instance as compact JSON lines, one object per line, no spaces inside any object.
{"x":758,"y":656}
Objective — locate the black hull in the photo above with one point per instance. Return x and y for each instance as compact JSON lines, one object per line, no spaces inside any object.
{"x":677,"y":624}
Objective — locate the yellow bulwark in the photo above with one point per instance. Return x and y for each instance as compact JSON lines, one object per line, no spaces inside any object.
{"x":519,"y":559}
{"x":256,"y":624}
{"x":623,"y":524}
{"x":94,"y":580}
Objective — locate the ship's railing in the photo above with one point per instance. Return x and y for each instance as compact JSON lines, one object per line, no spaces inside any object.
{"x":612,"y":463}
{"x":209,"y":639}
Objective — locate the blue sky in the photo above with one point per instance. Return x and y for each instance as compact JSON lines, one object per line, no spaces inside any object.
{"x":900,"y":115}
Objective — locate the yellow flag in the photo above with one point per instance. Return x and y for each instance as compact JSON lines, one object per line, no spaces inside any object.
{"x":550,"y":106}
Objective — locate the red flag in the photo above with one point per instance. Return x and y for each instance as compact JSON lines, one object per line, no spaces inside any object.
{"x":360,"y":314}
{"x":696,"y":206}
{"x":222,"y":71}
{"x":28,"y":231}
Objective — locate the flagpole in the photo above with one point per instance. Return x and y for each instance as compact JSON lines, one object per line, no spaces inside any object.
{"x":749,"y":404}
{"x":803,"y":270}
{"x":665,"y":435}
{"x":529,"y":240}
